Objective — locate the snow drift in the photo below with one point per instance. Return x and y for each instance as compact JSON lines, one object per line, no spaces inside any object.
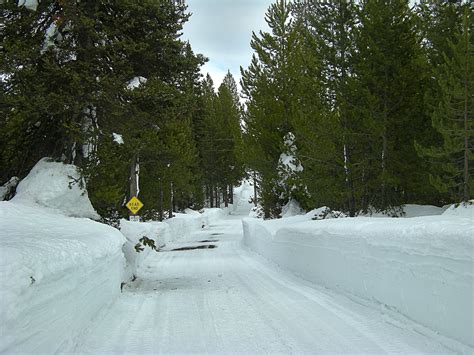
{"x":420,"y":267}
{"x":462,"y":210}
{"x":55,"y":186}
{"x":181,"y":226}
{"x":57,"y":272}
{"x":133,"y":232}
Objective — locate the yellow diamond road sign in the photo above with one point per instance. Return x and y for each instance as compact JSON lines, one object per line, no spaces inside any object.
{"x":134,"y":205}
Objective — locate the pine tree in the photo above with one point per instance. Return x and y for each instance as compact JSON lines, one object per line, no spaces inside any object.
{"x":67,"y":67}
{"x":269,"y":86}
{"x":439,"y":21}
{"x":453,"y":116}
{"x":330,"y":140}
{"x":206,"y":134}
{"x":229,"y":144}
{"x":389,"y":85}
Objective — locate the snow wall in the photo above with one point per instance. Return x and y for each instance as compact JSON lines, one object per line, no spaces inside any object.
{"x":419,"y":267}
{"x":57,"y":187}
{"x":57,"y":273}
{"x":179,"y":227}
{"x":58,"y":268}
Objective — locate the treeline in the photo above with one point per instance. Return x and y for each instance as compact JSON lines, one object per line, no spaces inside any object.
{"x":372,"y":101}
{"x":110,"y":87}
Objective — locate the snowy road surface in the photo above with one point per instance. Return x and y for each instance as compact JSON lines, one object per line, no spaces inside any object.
{"x":228,"y":299}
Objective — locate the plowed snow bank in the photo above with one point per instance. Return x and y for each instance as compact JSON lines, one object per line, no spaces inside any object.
{"x":421,"y":267}
{"x":56,"y":273}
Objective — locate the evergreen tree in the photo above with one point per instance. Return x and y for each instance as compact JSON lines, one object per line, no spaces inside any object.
{"x":330,"y":140}
{"x":67,"y":71}
{"x":220,"y":140}
{"x":439,"y":21}
{"x":389,"y":77}
{"x":229,"y":143}
{"x":269,"y":84}
{"x":207,"y":135}
{"x":453,"y":116}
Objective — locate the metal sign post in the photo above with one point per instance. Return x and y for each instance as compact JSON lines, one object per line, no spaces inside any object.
{"x":134,"y":205}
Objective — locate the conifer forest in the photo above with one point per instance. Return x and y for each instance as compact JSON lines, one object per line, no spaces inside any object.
{"x":371,"y":102}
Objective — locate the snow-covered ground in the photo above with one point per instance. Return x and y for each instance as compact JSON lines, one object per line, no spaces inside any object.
{"x":56,"y":271}
{"x":230,"y":300}
{"x":58,"y":268}
{"x":393,"y":285}
{"x":56,"y":187}
{"x":421,"y":268}
{"x":177,"y":228}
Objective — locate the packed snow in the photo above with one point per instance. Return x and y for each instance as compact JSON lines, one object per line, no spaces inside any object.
{"x":57,"y":273}
{"x":407,"y":211}
{"x":420,"y":267}
{"x":465,"y":210}
{"x":229,"y":300}
{"x":320,"y":283}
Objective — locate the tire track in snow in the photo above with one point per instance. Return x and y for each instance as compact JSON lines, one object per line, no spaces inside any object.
{"x":179,"y":303}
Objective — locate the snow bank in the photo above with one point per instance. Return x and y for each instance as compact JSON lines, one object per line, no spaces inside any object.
{"x":55,"y":186}
{"x":412,"y":210}
{"x":420,"y":267}
{"x":212,"y":215}
{"x":133,"y":232}
{"x":179,"y":227}
{"x":461,"y":210}
{"x":183,"y":225}
{"x":291,"y":209}
{"x":408,"y":211}
{"x":56,"y":272}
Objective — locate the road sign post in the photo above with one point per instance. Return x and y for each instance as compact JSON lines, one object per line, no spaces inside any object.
{"x":134,"y":205}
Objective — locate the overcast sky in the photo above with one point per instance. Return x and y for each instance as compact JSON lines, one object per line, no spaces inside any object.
{"x":221,"y":30}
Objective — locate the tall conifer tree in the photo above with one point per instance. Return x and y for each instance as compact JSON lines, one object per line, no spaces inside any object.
{"x":269,"y":86}
{"x":453,"y":117}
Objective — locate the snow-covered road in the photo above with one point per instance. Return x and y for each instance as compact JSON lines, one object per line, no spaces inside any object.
{"x":228,"y":299}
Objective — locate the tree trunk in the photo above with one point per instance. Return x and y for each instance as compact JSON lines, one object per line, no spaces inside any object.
{"x":225,"y":197}
{"x":211,"y":194}
{"x":384,"y":146}
{"x":134,"y":177}
{"x":170,"y":212}
{"x":231,"y":194}
{"x":349,"y":182}
{"x":466,"y":192}
{"x":161,"y":199}
{"x":384,"y":157}
{"x":255,"y":188}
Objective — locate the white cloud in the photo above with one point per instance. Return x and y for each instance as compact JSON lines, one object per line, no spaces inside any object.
{"x":221,"y":30}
